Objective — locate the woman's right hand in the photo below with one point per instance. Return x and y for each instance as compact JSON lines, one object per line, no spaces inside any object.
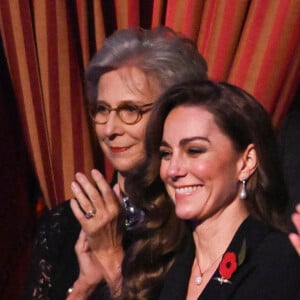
{"x":90,"y":274}
{"x":295,"y":237}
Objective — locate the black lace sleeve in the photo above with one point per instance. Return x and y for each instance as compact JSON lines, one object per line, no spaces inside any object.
{"x":54,"y":266}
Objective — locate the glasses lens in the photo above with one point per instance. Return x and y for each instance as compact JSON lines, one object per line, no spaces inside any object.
{"x":129,"y":113}
{"x":100,"y":113}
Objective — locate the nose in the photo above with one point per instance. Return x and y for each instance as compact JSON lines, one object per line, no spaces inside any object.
{"x":176,"y":168}
{"x":113,"y":126}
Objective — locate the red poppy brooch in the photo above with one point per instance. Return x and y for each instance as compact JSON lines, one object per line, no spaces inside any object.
{"x":230,"y":263}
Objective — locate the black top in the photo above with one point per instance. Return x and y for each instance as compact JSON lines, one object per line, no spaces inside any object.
{"x":271,"y":269}
{"x":54,"y":266}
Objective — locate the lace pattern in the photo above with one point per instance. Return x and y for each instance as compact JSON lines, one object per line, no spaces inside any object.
{"x":57,"y":234}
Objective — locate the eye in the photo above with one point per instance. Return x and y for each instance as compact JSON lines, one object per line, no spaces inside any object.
{"x":128,"y":108}
{"x":164,"y":154}
{"x":102,"y":108}
{"x":195,"y":151}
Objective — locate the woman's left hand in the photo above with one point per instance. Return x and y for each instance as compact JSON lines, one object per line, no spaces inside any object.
{"x":295,"y":237}
{"x":101,"y":202}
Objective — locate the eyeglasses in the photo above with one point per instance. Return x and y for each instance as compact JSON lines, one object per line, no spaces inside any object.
{"x":128,"y":113}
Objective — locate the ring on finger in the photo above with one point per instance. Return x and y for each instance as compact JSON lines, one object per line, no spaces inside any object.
{"x":90,"y":214}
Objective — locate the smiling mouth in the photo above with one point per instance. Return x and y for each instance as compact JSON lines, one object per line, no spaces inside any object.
{"x":186,"y":190}
{"x":118,"y":149}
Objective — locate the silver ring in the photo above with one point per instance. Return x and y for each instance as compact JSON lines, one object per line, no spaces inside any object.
{"x":90,"y":214}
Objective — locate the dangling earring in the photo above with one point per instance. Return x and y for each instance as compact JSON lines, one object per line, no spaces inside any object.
{"x":243,"y":193}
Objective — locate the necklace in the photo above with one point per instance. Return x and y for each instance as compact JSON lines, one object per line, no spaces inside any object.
{"x":199,"y":278}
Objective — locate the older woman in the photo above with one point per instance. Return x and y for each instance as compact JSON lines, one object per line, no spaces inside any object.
{"x":212,"y":163}
{"x":124,"y":79}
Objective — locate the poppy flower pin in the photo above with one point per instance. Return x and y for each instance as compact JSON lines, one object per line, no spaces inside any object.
{"x":229,"y":264}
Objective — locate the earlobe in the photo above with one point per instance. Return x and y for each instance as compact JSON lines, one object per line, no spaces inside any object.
{"x":249,"y":165}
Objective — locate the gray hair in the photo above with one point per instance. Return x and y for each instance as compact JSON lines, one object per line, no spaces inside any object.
{"x":161,"y":53}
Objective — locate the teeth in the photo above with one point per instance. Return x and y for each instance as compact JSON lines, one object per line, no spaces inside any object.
{"x":186,"y":190}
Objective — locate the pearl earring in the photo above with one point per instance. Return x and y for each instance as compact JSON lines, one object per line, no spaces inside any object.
{"x":243,"y":193}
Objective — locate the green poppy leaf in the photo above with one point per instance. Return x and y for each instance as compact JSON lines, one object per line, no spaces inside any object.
{"x":242,"y":253}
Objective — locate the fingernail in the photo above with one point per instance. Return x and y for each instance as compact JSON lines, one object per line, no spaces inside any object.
{"x":74,"y":187}
{"x":78,"y":176}
{"x":95,"y":171}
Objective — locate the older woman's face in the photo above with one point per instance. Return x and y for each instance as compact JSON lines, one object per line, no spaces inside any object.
{"x":198,"y":164}
{"x":122,"y":143}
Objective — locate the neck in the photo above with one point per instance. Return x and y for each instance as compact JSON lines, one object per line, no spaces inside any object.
{"x":121,"y":181}
{"x":213,"y":236}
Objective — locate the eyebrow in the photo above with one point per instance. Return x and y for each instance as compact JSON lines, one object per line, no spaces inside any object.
{"x":185,"y":141}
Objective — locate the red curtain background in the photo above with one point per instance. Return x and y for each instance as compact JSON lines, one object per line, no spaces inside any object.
{"x":46,"y":47}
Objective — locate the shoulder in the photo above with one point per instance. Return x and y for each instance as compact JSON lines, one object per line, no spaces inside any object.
{"x":53,"y":267}
{"x":271,"y":268}
{"x":268,"y":247}
{"x":276,"y":251}
{"x":263,"y":240}
{"x":60,"y":216}
{"x":274,"y":269}
{"x":56,"y":226}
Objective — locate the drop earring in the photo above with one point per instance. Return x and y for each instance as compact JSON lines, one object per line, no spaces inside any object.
{"x":243,"y":193}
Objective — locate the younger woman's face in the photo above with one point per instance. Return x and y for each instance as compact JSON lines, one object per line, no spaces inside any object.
{"x":199,"y":165}
{"x":122,"y":143}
